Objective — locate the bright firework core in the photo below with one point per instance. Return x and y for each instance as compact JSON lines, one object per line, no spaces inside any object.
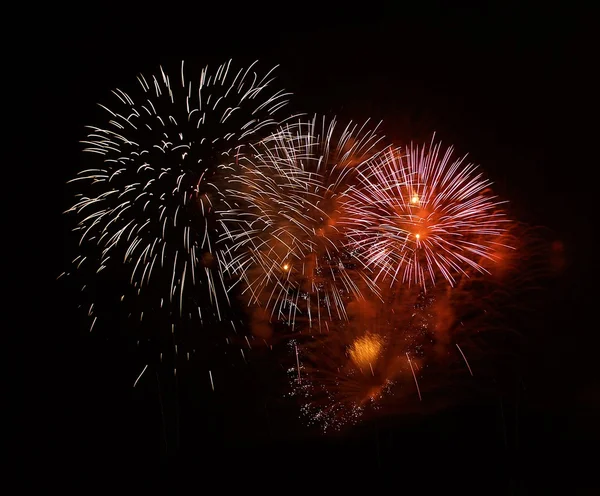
{"x":365,"y":350}
{"x":420,"y":216}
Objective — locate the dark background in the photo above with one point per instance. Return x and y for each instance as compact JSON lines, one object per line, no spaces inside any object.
{"x":510,"y":86}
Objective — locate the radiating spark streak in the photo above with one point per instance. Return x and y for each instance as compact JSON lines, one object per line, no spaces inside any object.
{"x":465,"y":359}
{"x":212,"y":384}
{"x":173,"y":277}
{"x":414,"y":376}
{"x":141,"y":373}
{"x":181,"y":290}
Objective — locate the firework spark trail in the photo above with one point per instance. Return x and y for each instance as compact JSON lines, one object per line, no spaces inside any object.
{"x":156,"y":180}
{"x":285,"y":242}
{"x":414,"y":375}
{"x":465,"y":358}
{"x":421,"y":215}
{"x":139,"y":376}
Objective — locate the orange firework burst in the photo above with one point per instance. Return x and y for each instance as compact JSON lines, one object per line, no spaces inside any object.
{"x":413,"y":350}
{"x":365,"y":350}
{"x":338,"y":377}
{"x":285,"y":242}
{"x":419,"y":214}
{"x":342,"y":375}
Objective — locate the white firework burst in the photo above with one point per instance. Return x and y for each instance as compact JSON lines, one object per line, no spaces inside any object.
{"x":148,"y":201}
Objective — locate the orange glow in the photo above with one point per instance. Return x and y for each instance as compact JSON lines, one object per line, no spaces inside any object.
{"x":414,"y":199}
{"x":418,"y":236}
{"x":285,"y":267}
{"x":365,"y":350}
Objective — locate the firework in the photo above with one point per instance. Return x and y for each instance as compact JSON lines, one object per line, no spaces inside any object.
{"x":147,"y":219}
{"x":339,"y":377}
{"x":285,"y":241}
{"x":413,"y":350}
{"x":420,"y":214}
{"x":389,"y":363}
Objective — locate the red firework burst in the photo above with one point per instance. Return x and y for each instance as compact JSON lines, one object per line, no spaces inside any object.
{"x":419,"y":214}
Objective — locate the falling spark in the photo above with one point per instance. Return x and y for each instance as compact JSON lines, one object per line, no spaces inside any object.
{"x":465,"y":359}
{"x":415,"y":377}
{"x":141,"y":373}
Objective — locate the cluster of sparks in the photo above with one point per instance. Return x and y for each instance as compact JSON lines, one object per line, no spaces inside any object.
{"x":420,"y":215}
{"x":201,"y":191}
{"x":342,"y":374}
{"x":150,"y":201}
{"x":286,"y":247}
{"x":333,"y":392}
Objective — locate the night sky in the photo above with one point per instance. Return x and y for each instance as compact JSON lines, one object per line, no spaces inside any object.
{"x":511,"y":87}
